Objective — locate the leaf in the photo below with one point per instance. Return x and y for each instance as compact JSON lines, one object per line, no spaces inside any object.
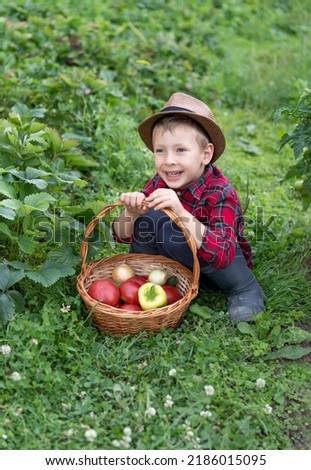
{"x":19,"y":265}
{"x":294,"y":335}
{"x":64,"y":256}
{"x":32,"y":176}
{"x":68,"y":178}
{"x":13,"y":139}
{"x":5,"y":229}
{"x":14,"y":118}
{"x":69,"y":144}
{"x":37,"y":113}
{"x":32,"y":173}
{"x":50,"y":272}
{"x":289,"y":352}
{"x":40,"y":184}
{"x":66,"y":79}
{"x":11,"y":203}
{"x":7,"y":308}
{"x":143,"y":62}
{"x":275,"y":332}
{"x":39,"y":201}
{"x":80,"y":161}
{"x":96,"y":206}
{"x":35,"y":126}
{"x":300,"y":139}
{"x":7,"y":213}
{"x":23,"y":110}
{"x":27,"y":244}
{"x":201,"y":310}
{"x":7,"y":189}
{"x":246,"y":329}
{"x":46,"y":277}
{"x":24,"y":210}
{"x":55,"y":139}
{"x":63,"y":268}
{"x":8,"y":277}
{"x":18,"y":300}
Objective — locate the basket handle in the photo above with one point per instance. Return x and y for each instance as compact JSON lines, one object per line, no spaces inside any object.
{"x":107,"y":209}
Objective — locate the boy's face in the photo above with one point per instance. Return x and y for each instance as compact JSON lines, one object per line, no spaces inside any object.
{"x":179,"y":159}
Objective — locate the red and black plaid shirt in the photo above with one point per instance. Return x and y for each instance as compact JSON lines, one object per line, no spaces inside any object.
{"x":214,"y":202}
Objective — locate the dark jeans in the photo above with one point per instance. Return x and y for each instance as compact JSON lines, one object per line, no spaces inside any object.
{"x":155,"y":233}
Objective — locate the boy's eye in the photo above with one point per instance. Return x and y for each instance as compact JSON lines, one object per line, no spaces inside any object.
{"x":181,"y":149}
{"x":158,"y":151}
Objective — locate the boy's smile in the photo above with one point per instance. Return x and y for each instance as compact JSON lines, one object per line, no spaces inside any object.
{"x":179,"y":159}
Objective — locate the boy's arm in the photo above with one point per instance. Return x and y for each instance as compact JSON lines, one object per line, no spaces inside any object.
{"x":123,"y":225}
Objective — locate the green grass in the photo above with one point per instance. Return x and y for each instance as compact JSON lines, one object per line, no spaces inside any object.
{"x":245,"y":59}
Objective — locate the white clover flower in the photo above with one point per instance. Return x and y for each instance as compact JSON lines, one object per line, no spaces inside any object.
{"x":209,"y":390}
{"x":189,"y":433}
{"x":116,"y":443}
{"x":4,"y":437}
{"x":90,"y":435}
{"x":142,"y":365}
{"x":150,"y":411}
{"x":268,"y":409}
{"x":168,"y":401}
{"x":127,"y":431}
{"x":65,"y":308}
{"x":16,"y":376}
{"x":126,"y":439}
{"x":6,"y":349}
{"x":206,"y":413}
{"x":65,"y":406}
{"x":260,"y":383}
{"x":18,"y":411}
{"x":82,"y":394}
{"x":172,"y":372}
{"x":69,"y":432}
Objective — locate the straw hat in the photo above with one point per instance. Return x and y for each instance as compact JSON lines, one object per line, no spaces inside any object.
{"x":180,"y":103}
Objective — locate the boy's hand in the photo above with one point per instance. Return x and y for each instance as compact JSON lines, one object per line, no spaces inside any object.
{"x":133,"y":203}
{"x":164,"y":198}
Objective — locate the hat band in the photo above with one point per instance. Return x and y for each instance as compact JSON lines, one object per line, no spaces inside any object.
{"x":175,"y":108}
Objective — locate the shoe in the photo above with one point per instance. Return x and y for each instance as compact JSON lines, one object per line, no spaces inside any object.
{"x":244,"y":305}
{"x":246,"y":298}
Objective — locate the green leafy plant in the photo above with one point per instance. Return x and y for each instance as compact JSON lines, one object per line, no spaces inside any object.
{"x":11,"y":300}
{"x":34,"y":199}
{"x":299,"y":140}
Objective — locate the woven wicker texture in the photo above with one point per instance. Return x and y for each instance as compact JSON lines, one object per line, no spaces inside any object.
{"x":121,"y":322}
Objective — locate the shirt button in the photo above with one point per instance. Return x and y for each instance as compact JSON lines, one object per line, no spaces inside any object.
{"x":178,"y":193}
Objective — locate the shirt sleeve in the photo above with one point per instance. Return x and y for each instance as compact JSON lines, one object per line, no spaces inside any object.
{"x":221,"y":228}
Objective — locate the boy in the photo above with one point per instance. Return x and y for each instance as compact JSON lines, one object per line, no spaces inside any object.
{"x":186,"y":141}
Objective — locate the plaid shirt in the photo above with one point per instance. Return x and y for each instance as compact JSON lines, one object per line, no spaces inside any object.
{"x":214,"y":202}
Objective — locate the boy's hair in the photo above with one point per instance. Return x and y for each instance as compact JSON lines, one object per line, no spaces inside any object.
{"x":169,"y":123}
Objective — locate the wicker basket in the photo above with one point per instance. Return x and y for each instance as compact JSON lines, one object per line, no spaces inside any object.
{"x":121,"y":322}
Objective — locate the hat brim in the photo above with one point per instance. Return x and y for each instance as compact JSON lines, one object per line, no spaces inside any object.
{"x":213,"y":130}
